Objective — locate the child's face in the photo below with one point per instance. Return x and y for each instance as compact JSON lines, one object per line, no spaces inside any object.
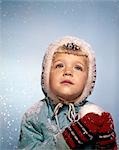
{"x":68,"y":76}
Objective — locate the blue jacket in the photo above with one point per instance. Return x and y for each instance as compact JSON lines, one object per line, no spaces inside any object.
{"x":39,"y":129}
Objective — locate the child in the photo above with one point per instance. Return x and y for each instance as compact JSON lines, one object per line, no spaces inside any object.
{"x":64,"y":119}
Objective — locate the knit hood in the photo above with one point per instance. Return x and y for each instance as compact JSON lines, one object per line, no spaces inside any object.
{"x":47,"y":62}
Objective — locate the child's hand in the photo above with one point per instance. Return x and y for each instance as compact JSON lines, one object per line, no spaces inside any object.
{"x":81,"y":131}
{"x":90,"y":128}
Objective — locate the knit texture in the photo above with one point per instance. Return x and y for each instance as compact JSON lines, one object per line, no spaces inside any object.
{"x":98,"y":129}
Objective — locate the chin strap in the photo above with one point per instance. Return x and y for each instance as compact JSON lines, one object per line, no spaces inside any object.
{"x":71,"y":112}
{"x":71,"y":115}
{"x":56,"y":110}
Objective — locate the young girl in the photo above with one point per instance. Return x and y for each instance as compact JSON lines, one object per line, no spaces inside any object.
{"x":64,"y":119}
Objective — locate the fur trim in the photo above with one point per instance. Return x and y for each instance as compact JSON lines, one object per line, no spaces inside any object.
{"x":46,"y":66}
{"x":35,"y":109}
{"x":90,"y":108}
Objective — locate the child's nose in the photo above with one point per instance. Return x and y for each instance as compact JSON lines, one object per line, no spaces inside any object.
{"x":67,"y":72}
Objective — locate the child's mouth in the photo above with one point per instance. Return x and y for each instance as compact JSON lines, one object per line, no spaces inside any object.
{"x":67,"y":82}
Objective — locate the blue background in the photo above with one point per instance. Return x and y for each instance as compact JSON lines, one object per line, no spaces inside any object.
{"x":27,"y":28}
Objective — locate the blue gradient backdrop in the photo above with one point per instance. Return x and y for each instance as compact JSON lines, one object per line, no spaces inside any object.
{"x":27,"y":28}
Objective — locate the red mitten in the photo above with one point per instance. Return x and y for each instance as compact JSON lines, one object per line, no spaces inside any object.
{"x":106,"y":133}
{"x":82,"y":131}
{"x":94,"y":128}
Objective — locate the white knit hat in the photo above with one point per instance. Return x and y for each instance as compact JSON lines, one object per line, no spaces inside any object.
{"x":46,"y":66}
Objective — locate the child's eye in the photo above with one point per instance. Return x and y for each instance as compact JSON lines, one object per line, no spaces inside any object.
{"x":77,"y":67}
{"x":59,"y":65}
